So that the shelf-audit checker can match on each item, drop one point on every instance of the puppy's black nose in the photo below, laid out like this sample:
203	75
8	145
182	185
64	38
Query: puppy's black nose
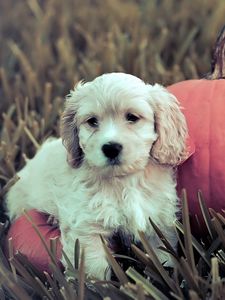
112	150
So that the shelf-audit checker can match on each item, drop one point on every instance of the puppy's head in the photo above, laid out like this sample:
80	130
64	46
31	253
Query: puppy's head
116	123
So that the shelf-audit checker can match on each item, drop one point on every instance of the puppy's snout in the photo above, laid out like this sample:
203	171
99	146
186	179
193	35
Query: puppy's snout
112	150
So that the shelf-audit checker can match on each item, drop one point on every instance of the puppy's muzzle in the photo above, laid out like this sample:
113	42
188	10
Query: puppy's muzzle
112	151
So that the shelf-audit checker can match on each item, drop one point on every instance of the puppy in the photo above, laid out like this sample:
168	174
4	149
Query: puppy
113	167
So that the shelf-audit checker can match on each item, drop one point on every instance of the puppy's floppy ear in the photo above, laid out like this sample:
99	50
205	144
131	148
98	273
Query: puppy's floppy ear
170	146
69	132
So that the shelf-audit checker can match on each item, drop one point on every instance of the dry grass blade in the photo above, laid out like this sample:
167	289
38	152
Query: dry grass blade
14	289
179	294
76	254
147	286
217	284
21	56
219	230
35	8
140	254
23	260
44	290
32	82
140	292
185	269
204	254
206	216
114	264
12	285
125	257
81	277
215	270
3	227
47	101
9	184
153	275
54	287
213	247
10	245
18	132
28	278
221	218
163	239
5	83
150	269
176	297
18	108
221	255
31	137
188	42
69	292
3	261
178	230
70	271
217	216
193	295
53	246
187	232
156	261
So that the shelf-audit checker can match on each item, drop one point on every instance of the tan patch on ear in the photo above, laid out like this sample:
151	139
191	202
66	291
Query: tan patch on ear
69	133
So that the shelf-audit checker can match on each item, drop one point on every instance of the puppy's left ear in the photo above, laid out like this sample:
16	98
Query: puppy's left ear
170	146
69	134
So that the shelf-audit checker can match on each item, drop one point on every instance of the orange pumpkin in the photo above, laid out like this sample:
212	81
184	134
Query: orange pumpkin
203	103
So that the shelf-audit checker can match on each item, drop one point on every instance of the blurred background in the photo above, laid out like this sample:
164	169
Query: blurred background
48	45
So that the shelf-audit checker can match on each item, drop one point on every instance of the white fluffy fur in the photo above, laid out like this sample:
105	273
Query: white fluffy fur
89	196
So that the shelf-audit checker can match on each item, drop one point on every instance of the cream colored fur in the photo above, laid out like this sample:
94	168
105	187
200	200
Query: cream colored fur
91	196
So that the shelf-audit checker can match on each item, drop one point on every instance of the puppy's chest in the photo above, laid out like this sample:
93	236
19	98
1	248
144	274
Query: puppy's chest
128	207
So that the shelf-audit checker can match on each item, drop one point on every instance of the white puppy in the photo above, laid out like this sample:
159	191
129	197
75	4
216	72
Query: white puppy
122	138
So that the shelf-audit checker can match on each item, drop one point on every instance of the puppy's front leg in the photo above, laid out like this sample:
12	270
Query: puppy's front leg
95	260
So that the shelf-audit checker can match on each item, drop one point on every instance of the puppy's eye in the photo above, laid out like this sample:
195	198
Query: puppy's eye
93	122
131	118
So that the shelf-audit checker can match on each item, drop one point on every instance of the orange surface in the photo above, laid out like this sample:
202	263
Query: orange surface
203	103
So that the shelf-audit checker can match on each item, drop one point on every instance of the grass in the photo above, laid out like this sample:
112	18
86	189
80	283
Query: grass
47	46
198	273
